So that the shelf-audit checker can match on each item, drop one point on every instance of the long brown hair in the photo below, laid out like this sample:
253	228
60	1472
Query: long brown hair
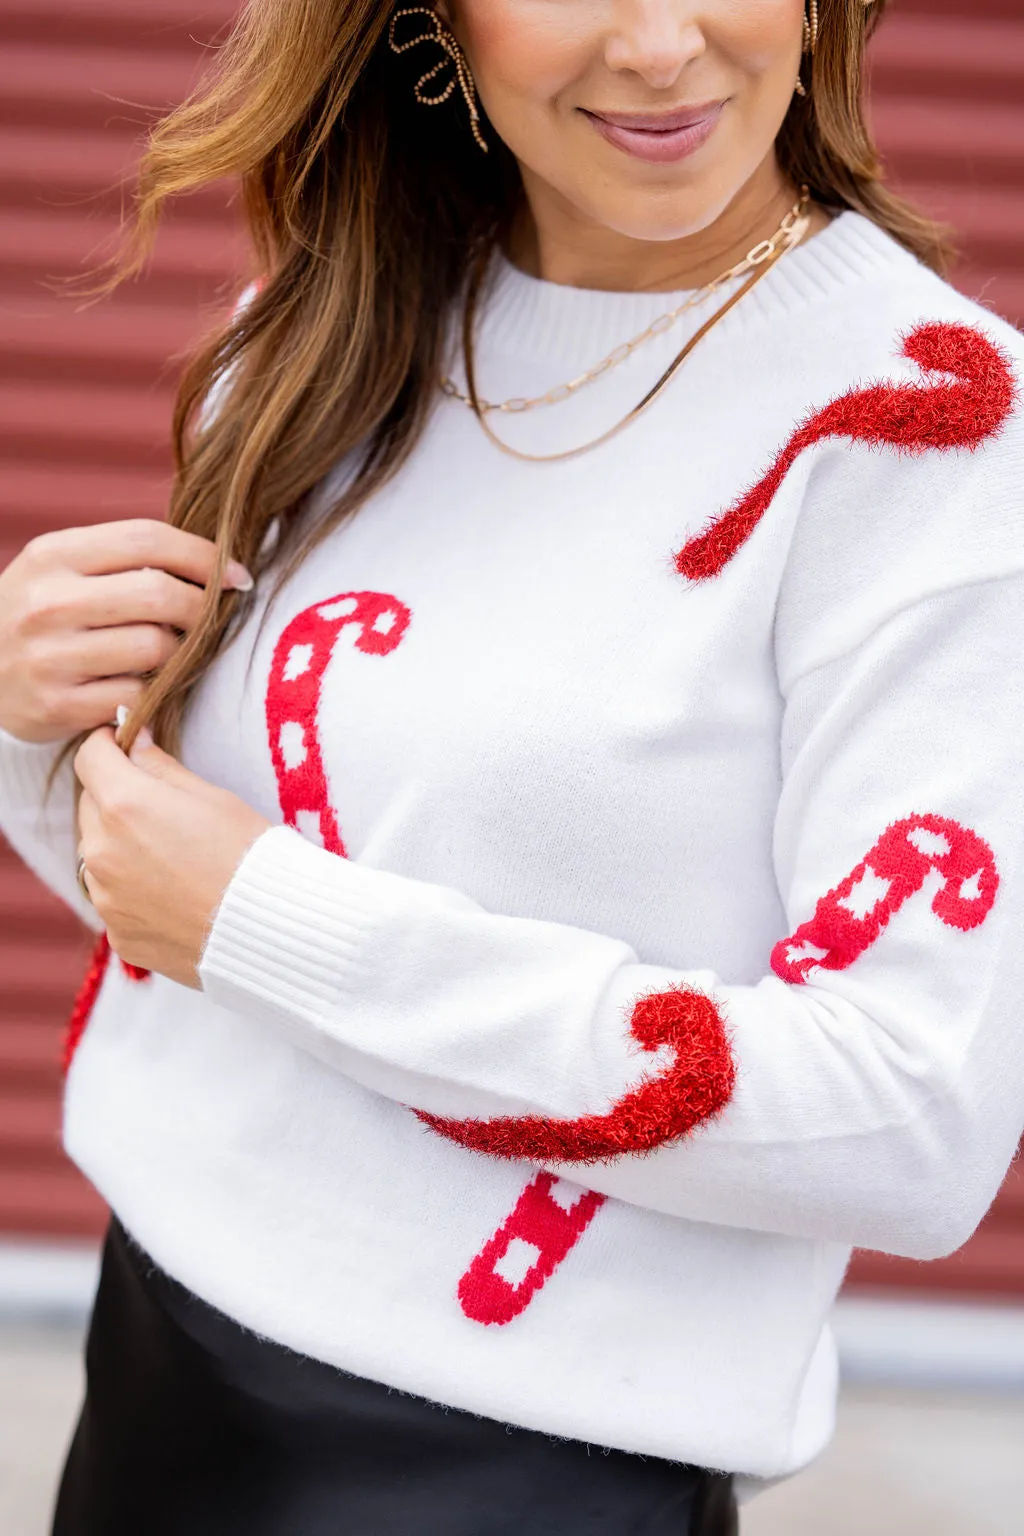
364	213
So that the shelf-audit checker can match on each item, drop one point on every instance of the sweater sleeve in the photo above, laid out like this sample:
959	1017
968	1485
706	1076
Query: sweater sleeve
877	1103
871	1089
40	826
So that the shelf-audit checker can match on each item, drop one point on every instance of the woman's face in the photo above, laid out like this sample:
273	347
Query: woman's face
644	117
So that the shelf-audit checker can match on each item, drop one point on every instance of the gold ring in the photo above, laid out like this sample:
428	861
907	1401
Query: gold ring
80	873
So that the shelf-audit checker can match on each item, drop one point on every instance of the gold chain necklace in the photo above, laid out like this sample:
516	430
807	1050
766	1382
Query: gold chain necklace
758	262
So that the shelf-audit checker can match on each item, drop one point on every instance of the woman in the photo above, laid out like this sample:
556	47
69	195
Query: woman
580	901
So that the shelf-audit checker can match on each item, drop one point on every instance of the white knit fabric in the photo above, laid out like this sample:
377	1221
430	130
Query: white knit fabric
578	780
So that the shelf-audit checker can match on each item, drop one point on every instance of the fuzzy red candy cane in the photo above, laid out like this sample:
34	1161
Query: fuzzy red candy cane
850	918
552	1215
967	401
693	1088
293	699
549	1219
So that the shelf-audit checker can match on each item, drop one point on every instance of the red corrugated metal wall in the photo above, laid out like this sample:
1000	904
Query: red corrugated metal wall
85	397
85	400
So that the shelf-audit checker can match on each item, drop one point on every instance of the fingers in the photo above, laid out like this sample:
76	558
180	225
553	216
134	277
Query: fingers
88	822
145	596
112	779
130	649
95	704
83	609
107	548
102	768
157	764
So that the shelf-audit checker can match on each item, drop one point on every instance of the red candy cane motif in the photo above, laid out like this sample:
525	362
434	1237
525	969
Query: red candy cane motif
694	1088
968	400
550	1217
850	918
297	671
551	1214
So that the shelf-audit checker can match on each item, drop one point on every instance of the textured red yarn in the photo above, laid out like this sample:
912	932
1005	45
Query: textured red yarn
86	1000
87	994
901	859
546	1224
297	671
694	1089
960	411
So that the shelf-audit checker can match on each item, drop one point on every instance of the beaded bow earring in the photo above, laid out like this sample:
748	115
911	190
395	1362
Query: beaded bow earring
810	42
462	77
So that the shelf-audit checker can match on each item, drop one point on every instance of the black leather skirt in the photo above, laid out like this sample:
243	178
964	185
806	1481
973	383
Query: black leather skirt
194	1427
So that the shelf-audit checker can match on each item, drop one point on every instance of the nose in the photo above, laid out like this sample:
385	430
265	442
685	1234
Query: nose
654	39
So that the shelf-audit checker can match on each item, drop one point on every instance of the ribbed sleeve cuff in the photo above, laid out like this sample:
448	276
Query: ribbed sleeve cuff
286	941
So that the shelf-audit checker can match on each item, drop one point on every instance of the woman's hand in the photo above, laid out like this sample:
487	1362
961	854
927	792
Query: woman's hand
86	613
160	846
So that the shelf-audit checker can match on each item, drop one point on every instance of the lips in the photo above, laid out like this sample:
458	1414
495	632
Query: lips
661	137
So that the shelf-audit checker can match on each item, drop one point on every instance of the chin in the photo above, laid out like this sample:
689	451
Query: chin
662	217
661	204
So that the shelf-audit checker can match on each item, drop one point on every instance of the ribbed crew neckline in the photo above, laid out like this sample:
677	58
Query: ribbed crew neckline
529	317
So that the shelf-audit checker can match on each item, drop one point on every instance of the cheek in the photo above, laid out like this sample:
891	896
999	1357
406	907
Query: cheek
762	41
523	55
760	54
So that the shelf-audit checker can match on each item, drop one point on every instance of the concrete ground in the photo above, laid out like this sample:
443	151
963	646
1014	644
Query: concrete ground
907	1463
904	1463
40	1384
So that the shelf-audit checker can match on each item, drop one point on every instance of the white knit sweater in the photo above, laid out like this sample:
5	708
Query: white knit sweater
682	896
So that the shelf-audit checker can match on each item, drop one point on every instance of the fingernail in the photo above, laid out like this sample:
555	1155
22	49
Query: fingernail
121	716
238	577
145	739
